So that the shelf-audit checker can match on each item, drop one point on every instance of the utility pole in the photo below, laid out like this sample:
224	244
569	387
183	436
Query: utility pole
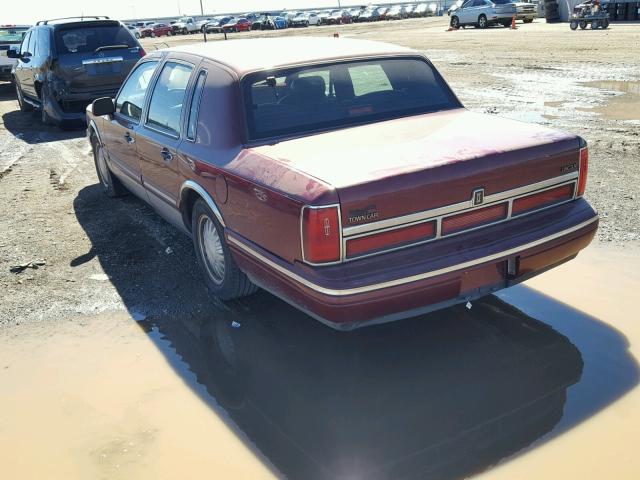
204	27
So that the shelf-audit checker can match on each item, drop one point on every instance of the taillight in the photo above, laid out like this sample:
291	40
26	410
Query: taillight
321	234
542	199
474	218
584	167
390	239
142	52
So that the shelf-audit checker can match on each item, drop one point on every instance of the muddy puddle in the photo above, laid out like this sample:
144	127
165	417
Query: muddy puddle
541	381
622	101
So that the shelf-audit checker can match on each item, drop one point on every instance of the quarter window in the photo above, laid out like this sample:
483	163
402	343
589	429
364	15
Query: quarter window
131	97
168	97
192	125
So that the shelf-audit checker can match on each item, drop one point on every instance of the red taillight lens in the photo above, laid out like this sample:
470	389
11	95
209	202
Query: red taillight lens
542	199
321	234
390	239
475	218
142	52
584	167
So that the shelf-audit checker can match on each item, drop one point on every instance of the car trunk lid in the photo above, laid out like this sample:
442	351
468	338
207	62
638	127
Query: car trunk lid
399	167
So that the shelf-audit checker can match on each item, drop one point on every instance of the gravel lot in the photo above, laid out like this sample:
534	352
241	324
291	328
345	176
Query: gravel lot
104	254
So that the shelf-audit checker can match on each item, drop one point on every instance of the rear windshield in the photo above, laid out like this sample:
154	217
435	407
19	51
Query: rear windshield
12	35
88	39
322	97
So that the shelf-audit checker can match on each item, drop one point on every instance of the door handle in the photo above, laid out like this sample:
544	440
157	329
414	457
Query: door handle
166	154
128	138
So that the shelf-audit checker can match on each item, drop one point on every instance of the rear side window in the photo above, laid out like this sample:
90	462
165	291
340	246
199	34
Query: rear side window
192	125
88	39
168	97
131	97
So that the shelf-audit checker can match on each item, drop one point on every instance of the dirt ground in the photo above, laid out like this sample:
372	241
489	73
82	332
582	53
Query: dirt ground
184	390
586	82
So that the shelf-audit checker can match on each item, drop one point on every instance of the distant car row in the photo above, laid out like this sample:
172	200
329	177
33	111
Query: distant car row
280	20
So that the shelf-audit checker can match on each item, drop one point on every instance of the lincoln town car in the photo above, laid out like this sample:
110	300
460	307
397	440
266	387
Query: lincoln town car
343	176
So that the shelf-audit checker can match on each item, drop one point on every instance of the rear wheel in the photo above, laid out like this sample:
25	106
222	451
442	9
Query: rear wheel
595	24
24	106
583	24
111	186
482	21
44	116
605	23
223	277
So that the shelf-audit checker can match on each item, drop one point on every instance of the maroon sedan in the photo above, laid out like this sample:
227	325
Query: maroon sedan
157	30
237	25
343	176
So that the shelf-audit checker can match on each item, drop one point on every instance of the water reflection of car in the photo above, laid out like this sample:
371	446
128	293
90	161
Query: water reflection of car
444	397
10	37
313	203
483	13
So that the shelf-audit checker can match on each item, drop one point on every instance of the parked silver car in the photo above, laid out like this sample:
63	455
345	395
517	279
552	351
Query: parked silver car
483	13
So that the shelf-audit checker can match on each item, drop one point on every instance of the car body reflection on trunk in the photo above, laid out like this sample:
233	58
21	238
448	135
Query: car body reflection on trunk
437	397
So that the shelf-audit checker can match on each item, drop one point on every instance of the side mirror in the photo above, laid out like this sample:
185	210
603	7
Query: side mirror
103	106
11	53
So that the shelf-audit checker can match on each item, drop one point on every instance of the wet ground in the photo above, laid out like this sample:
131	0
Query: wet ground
541	381
116	363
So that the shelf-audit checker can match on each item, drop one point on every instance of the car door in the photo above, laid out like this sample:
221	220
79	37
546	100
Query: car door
120	132
466	11
23	68
160	137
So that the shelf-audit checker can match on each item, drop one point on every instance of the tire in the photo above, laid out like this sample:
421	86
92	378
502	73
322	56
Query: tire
110	185
153	34
528	20
482	21
185	31
605	23
583	24
595	24
573	25
455	22
24	106
222	276
45	119
506	24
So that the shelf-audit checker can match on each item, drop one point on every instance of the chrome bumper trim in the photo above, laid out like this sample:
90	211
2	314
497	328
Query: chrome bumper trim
413	278
457	207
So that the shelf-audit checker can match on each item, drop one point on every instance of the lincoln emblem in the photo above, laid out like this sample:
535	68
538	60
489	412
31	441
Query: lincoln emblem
327	227
478	196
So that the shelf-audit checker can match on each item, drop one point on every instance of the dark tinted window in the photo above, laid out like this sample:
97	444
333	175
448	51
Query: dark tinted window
195	106
501	2
168	96
131	98
328	96
88	39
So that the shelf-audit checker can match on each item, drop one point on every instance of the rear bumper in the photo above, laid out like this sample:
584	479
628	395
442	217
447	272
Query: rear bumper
426	277
72	107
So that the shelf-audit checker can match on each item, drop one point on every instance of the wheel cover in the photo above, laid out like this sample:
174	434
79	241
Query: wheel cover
102	167
482	21
211	249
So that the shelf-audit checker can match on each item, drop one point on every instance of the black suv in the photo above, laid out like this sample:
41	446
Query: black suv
65	64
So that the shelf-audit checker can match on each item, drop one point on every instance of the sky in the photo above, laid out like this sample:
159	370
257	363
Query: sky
13	13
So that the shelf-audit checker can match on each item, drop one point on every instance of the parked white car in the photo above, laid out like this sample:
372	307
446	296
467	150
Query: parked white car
186	25
483	13
10	38
305	19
